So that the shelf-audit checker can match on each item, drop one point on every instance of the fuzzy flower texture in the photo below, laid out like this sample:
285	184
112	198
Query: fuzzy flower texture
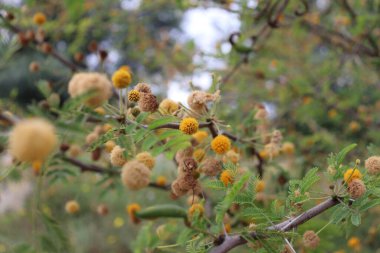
32	139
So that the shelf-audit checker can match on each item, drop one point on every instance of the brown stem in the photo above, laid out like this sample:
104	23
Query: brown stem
231	242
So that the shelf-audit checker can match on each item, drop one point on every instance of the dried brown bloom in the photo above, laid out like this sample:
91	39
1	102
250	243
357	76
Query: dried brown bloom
186	153
197	100
148	102
356	188
143	87
310	239
211	167
372	164
117	156
135	175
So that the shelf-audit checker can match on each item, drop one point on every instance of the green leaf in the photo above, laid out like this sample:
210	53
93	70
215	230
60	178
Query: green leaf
309	179
369	205
356	219
214	184
342	154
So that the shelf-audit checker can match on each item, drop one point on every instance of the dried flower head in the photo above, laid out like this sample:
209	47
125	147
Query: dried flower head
168	106
148	102
133	96
261	114
82	83
231	156
74	150
143	87
226	177
372	164
121	79
352	174
189	125
39	18
182	154
34	67
135	175
147	159
197	100
221	144
356	188
131	210
310	239
211	167
192	199
91	138
102	210
200	136
72	207
117	156
32	139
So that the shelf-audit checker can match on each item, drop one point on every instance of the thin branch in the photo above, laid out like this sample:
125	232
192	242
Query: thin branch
231	242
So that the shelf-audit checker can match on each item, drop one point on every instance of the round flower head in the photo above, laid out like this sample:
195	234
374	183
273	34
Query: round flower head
125	68
74	150
109	145
100	110
189	125
39	18
352	174
131	210
231	156
197	100
354	243
32	139
133	96
221	144
121	79
199	154
91	138
200	136
287	148
147	159
196	209
117	156
260	186
168	106
148	102
102	210
310	239
72	207
182	154
226	177
372	164
161	181
143	87
97	84
356	188
211	167
135	175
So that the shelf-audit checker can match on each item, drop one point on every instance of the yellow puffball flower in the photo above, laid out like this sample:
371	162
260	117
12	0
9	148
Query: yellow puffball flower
131	210
161	181
121	79
354	126
189	125
220	144
133	96
32	139
72	207
226	177
352	174
118	222
354	243
125	68
200	136
260	186
39	18
107	127
288	148
196	208
199	154
100	110
109	145
264	154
